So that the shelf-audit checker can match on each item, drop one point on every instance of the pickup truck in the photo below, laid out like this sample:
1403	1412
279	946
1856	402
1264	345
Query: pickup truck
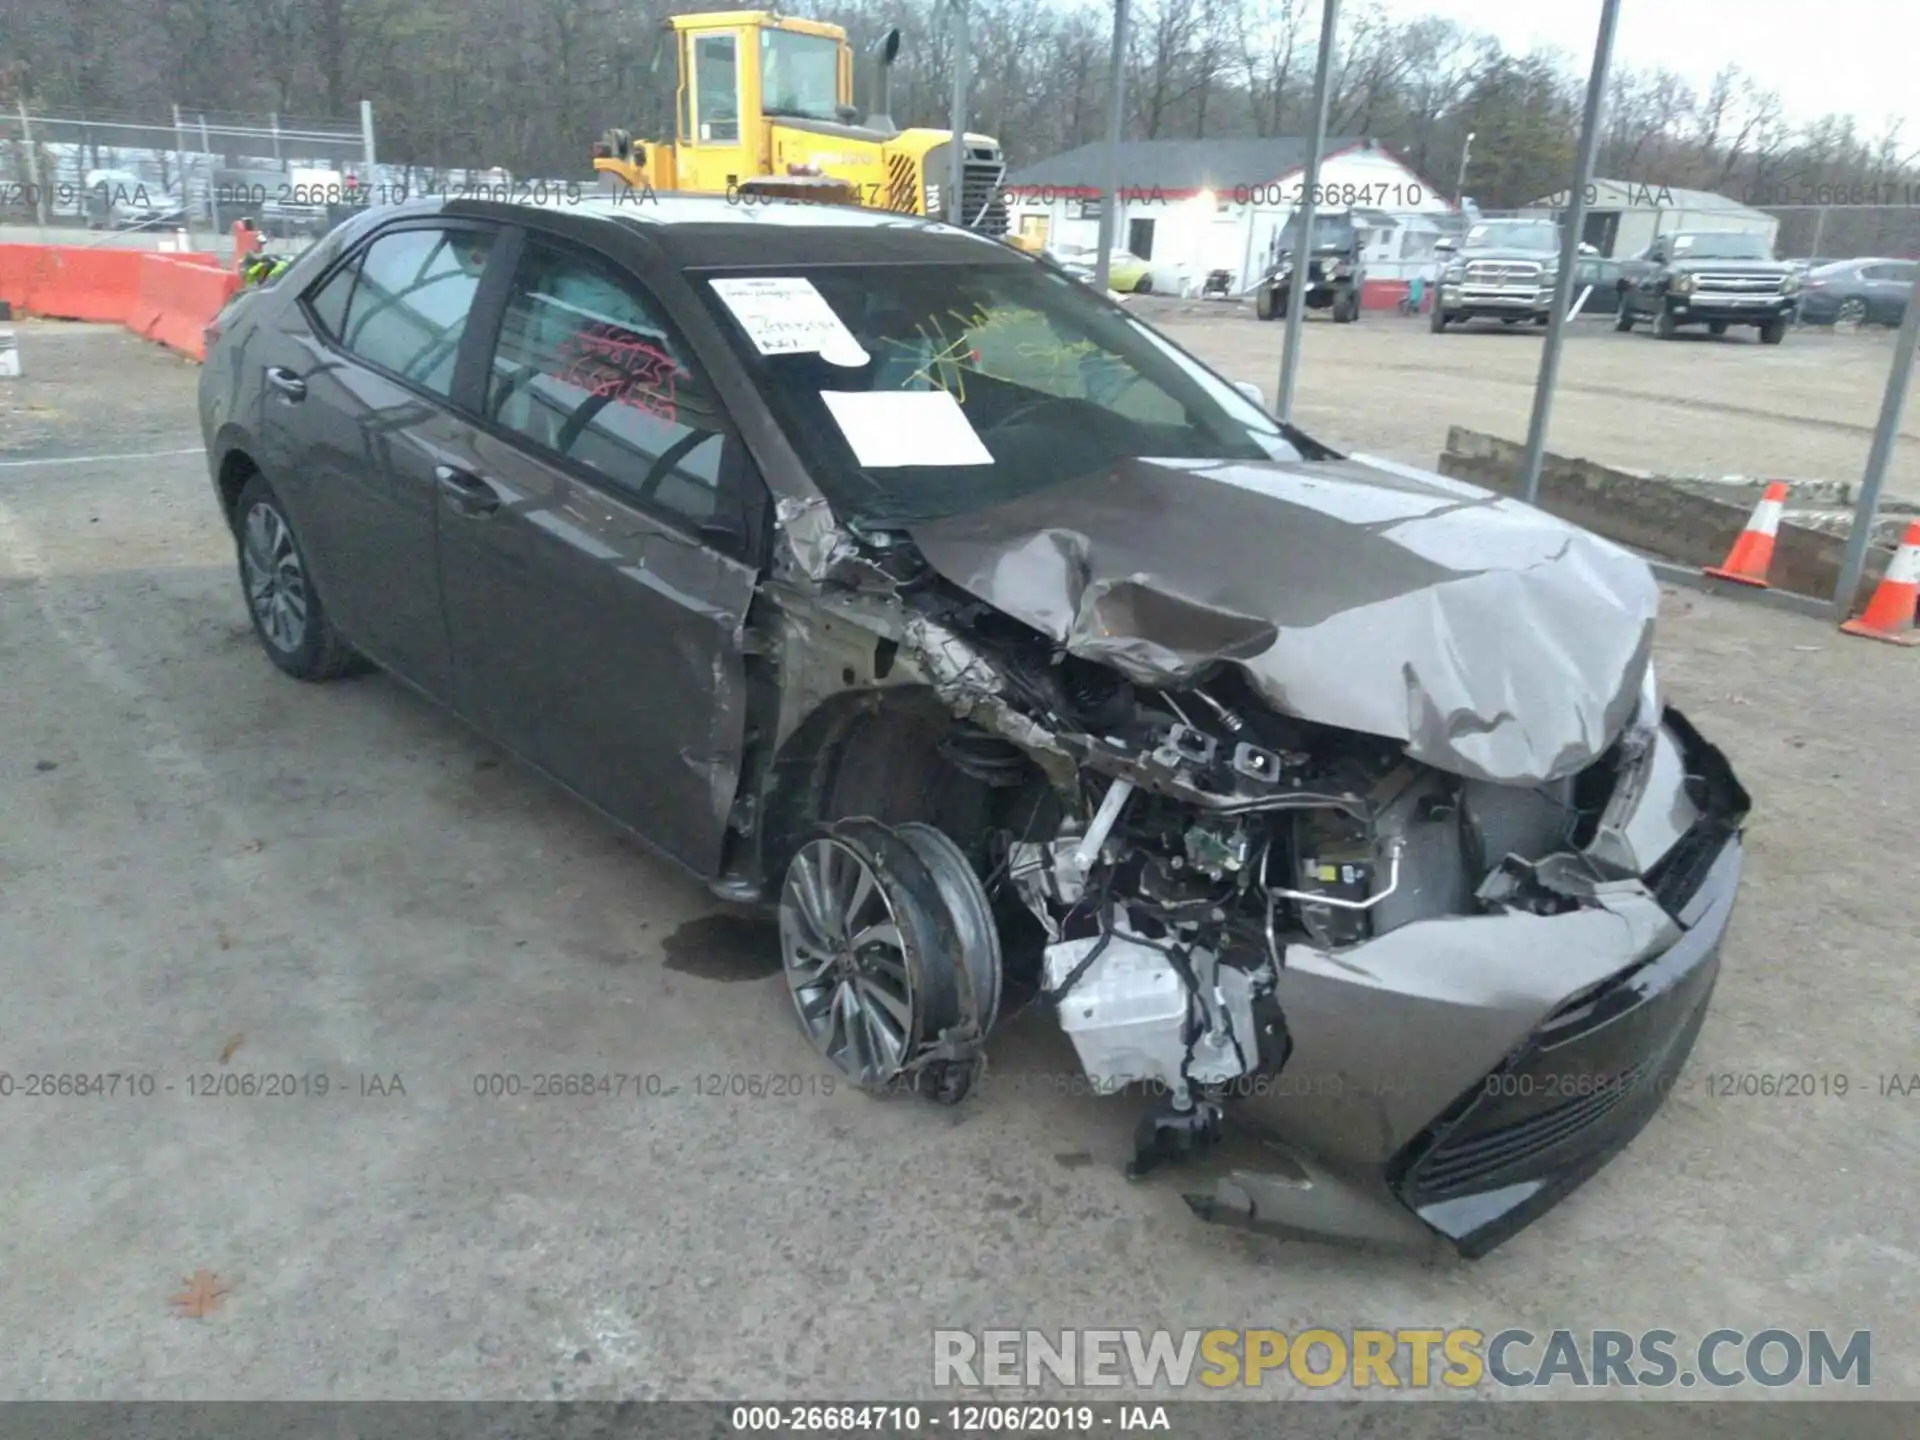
1711	278
1503	270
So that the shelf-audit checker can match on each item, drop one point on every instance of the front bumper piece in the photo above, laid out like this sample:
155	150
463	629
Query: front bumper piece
1334	1163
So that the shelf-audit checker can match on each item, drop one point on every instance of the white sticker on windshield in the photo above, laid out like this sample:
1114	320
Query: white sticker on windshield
785	315
889	429
1683	242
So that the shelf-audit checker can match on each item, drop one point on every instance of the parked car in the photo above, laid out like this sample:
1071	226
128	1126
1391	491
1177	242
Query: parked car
1857	292
1598	278
1711	278
122	200
1126	272
1502	270
891	579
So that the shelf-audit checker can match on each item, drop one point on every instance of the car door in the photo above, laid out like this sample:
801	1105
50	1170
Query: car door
598	551
1887	286
357	422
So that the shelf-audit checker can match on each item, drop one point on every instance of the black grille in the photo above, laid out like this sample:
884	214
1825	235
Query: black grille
1462	1166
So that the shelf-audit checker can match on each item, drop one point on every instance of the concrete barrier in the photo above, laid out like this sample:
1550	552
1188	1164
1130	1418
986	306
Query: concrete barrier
1677	521
169	298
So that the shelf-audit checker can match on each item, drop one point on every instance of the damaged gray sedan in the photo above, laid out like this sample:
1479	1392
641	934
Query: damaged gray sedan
885	577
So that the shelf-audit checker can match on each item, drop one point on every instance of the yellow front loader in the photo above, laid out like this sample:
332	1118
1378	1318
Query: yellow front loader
763	107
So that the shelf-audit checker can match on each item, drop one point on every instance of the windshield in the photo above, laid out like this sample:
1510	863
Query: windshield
958	387
1514	235
800	75
1731	245
1330	232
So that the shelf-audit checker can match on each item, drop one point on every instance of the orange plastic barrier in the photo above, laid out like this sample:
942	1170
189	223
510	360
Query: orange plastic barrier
178	296
69	282
159	295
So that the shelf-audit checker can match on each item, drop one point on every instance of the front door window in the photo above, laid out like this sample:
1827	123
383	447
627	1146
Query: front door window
716	84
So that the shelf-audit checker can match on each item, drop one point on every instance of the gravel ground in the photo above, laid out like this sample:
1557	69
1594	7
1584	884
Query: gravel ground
1696	405
208	870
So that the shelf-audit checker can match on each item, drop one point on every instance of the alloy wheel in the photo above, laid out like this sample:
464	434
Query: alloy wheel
276	583
846	962
1853	311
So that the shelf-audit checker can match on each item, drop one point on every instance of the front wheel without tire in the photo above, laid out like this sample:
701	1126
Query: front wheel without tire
287	613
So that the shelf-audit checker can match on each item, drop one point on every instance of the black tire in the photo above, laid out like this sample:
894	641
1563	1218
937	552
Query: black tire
1145	285
267	546
1346	308
1263	306
1852	311
1773	332
1716	327
1623	319
1437	321
1664	326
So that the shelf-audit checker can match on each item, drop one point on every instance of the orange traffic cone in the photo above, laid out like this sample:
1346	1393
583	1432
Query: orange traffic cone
1751	554
1889	614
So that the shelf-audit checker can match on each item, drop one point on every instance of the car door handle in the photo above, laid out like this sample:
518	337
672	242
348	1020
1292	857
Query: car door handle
470	494
289	384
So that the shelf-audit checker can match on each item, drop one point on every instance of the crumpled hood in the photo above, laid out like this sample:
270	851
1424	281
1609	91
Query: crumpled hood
1498	642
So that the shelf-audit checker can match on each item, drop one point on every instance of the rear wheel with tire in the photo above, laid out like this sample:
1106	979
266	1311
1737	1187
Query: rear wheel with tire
1623	318
1773	332
1664	326
287	612
1263	303
1346	308
1144	286
1852	311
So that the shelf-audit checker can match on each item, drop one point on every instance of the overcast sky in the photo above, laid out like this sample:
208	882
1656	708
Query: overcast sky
1843	56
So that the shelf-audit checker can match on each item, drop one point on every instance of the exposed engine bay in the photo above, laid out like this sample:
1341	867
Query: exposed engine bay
1171	843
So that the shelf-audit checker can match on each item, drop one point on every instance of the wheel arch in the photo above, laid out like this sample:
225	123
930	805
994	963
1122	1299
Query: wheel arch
873	752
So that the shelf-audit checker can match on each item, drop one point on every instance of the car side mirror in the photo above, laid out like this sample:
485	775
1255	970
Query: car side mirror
1253	392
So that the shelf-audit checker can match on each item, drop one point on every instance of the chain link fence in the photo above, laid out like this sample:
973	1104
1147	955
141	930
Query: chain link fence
178	179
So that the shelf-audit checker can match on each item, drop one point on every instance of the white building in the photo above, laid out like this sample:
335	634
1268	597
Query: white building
1624	216
1191	206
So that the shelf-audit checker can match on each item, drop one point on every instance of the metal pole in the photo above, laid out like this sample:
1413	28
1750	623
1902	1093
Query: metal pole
1116	124
957	126
1304	211
180	163
213	198
1892	405
274	121
366	135
1575	221
1460	185
33	169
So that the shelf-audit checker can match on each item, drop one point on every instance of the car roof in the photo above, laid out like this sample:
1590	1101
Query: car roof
711	231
